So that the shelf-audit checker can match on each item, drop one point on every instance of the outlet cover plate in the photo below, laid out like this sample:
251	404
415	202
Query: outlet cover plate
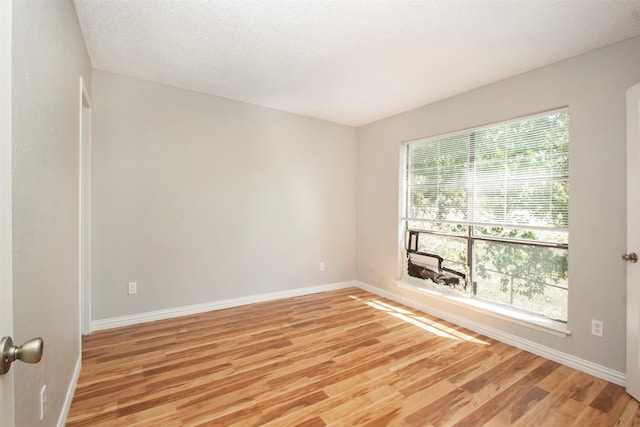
597	327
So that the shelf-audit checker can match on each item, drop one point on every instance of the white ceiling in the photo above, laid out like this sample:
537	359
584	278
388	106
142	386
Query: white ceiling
347	61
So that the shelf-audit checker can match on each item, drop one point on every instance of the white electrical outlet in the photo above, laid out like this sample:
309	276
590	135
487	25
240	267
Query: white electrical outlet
322	266
597	327
133	288
43	401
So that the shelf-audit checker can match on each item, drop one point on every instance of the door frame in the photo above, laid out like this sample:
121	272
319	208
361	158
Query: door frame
84	206
633	241
7	405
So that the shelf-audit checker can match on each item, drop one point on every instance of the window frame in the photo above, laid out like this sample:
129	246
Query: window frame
504	311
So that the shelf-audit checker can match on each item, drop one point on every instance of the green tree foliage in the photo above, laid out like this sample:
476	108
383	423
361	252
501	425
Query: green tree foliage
525	269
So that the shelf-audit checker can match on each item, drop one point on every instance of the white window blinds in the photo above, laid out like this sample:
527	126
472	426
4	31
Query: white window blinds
510	174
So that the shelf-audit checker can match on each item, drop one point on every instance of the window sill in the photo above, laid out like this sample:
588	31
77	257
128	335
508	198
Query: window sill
537	323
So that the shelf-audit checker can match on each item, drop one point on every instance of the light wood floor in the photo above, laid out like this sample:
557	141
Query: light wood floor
340	358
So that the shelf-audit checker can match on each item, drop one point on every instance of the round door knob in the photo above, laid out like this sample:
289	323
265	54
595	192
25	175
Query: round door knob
631	257
29	352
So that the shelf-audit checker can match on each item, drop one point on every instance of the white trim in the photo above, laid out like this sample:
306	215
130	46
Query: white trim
7	401
531	321
84	94
62	419
84	208
572	361
133	319
402	208
633	242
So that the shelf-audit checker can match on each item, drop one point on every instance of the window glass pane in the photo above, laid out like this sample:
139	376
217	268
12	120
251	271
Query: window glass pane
531	278
437	176
521	172
536	202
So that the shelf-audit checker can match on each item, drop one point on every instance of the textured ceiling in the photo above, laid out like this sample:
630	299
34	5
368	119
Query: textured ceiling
347	61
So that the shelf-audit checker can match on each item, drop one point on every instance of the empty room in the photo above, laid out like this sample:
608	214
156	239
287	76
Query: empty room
319	213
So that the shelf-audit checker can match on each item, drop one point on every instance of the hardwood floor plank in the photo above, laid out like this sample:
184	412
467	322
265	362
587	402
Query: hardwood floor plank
340	358
630	416
429	370
608	398
520	407
508	396
398	410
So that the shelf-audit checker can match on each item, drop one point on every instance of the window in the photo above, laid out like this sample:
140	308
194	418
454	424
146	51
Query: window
486	214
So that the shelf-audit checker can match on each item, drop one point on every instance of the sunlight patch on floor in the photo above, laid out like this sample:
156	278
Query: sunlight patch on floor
431	322
422	322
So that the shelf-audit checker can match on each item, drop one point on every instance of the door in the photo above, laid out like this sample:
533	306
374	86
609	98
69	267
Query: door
633	241
6	285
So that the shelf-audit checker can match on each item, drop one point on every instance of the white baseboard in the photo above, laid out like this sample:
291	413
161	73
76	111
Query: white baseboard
583	365
572	361
133	319
62	419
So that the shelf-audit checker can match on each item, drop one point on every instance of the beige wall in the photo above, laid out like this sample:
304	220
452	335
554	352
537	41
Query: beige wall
49	57
200	199
593	86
